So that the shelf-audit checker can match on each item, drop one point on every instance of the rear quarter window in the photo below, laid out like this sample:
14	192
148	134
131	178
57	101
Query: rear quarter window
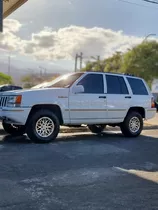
137	85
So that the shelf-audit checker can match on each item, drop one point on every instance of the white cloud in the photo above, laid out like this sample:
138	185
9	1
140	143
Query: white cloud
64	43
11	25
8	40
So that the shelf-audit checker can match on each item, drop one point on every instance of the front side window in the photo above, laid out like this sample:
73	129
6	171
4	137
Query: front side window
116	85
93	84
137	86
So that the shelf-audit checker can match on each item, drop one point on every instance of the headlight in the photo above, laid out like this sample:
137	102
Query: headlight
14	101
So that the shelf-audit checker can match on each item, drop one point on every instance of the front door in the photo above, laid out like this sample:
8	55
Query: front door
90	106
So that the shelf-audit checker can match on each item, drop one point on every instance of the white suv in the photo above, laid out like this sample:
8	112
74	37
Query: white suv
93	98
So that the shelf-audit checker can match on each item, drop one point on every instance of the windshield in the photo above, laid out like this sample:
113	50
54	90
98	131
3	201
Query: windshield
40	85
64	81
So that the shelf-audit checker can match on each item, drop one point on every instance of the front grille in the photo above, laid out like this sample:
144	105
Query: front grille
3	101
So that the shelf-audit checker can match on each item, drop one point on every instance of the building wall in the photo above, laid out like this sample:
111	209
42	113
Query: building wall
1	15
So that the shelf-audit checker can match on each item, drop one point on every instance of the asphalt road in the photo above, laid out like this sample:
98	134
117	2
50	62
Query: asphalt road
80	171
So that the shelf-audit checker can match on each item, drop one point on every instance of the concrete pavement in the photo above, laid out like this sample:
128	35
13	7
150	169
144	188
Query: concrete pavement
80	171
153	121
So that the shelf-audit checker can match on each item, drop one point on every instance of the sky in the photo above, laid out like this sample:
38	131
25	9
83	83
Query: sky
49	33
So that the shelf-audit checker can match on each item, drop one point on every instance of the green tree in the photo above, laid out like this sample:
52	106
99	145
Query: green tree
114	63
142	61
5	79
35	79
95	66
29	81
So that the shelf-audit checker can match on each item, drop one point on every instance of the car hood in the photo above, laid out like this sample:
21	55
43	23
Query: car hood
35	91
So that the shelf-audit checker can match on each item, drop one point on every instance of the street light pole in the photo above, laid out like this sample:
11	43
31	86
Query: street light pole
148	36
97	59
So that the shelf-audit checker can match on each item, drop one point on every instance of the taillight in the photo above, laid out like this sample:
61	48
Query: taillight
153	103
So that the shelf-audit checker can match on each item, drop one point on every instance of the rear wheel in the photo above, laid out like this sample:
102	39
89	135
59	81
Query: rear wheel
43	127
132	125
96	128
13	129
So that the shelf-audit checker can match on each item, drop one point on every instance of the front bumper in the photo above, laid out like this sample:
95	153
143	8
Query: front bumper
7	120
16	116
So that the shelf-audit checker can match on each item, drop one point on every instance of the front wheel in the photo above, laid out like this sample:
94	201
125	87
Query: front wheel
132	125
43	127
96	128
13	129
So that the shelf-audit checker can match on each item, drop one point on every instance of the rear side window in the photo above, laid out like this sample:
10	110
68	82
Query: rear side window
116	85
137	86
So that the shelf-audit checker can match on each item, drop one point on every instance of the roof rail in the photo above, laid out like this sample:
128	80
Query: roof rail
129	74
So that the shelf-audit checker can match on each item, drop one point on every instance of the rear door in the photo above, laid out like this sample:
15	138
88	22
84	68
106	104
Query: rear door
118	97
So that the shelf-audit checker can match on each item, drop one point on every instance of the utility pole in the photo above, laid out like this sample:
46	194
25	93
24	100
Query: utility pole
9	65
98	58
32	76
40	73
81	60
44	70
76	60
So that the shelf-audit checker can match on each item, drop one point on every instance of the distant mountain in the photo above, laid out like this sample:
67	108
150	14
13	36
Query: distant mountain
17	73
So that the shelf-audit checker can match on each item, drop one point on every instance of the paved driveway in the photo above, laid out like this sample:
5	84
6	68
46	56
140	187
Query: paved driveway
153	121
80	171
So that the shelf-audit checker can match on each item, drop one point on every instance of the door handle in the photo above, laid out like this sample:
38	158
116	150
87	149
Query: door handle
128	97
102	97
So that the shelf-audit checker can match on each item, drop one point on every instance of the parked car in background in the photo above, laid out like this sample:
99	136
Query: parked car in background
156	105
8	87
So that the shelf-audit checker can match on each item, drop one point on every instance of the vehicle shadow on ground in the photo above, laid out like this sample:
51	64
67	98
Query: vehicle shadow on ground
106	137
8	139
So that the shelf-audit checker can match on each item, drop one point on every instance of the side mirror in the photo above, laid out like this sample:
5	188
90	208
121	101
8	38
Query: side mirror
78	89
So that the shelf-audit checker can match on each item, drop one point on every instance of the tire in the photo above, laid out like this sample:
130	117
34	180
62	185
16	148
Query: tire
134	130
45	134
13	129
96	128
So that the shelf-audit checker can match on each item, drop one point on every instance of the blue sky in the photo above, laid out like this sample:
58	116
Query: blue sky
132	19
65	18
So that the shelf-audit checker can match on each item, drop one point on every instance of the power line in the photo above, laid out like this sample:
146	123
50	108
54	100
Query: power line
140	5
129	2
151	1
